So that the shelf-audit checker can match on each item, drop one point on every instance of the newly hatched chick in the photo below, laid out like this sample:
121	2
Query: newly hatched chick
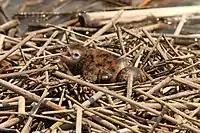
98	66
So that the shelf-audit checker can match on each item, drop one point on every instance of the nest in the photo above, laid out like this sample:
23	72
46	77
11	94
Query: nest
39	94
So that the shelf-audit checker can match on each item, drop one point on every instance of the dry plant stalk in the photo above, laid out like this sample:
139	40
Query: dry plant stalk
39	93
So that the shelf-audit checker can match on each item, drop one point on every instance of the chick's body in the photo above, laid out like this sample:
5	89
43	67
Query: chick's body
101	66
94	65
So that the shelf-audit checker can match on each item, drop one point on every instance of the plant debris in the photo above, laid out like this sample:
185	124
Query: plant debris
40	93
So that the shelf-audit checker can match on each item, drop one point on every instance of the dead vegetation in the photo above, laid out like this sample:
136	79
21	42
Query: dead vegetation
39	94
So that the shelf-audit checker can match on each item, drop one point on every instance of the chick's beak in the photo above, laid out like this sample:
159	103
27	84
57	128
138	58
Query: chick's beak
66	56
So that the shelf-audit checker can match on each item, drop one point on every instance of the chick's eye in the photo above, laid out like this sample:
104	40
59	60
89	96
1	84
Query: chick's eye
76	55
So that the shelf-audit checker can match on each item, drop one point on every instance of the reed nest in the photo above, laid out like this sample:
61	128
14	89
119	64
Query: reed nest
37	93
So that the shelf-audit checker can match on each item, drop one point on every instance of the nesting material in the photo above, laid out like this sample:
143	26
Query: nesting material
166	99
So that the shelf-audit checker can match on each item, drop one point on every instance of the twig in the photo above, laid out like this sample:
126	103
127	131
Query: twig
187	82
101	18
132	50
169	106
9	122
103	29
150	52
180	95
158	119
10	24
26	72
160	85
47	43
79	115
104	116
28	95
134	103
119	34
38	116
53	28
17	46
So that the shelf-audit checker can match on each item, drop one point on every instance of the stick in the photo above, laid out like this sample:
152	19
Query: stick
47	43
79	115
105	28
94	19
17	46
21	73
9	25
28	94
132	102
